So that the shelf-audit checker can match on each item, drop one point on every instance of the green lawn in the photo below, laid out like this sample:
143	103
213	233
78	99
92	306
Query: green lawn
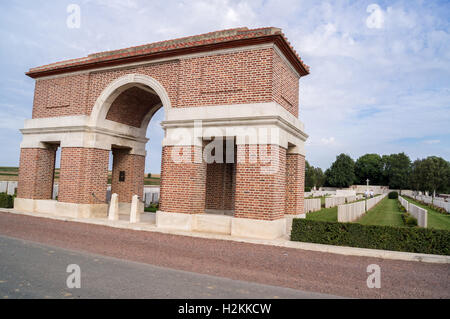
385	213
325	215
435	219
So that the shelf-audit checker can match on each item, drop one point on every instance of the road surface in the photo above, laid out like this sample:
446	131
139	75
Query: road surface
300	270
31	270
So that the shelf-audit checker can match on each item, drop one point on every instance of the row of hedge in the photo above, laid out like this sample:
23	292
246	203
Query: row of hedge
6	201
417	240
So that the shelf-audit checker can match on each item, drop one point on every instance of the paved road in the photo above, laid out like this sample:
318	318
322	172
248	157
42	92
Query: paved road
31	270
275	266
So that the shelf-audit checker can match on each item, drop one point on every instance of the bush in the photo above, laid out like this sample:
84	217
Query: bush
401	208
152	208
307	189
414	239
6	201
408	219
393	195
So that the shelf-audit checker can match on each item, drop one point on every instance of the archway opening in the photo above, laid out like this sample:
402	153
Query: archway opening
134	107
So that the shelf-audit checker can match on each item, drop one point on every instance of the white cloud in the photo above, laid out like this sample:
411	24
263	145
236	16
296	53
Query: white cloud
327	141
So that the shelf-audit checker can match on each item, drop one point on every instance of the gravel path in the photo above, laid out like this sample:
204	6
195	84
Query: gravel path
286	267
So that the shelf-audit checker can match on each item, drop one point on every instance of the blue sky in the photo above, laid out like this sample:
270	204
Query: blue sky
380	70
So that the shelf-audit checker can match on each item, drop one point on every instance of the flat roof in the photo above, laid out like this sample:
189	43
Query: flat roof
198	43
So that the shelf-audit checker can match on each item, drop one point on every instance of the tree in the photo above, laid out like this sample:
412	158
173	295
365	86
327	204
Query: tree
396	170
430	174
369	166
319	177
309	175
313	176
342	172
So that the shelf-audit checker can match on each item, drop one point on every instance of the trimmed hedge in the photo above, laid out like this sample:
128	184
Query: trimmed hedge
409	239
6	201
393	195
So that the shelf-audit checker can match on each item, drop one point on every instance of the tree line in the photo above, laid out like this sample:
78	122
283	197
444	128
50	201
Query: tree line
396	171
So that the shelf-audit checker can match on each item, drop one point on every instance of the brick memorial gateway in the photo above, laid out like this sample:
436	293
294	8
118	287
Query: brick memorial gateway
233	150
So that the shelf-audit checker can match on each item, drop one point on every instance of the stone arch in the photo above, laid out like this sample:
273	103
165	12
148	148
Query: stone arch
119	85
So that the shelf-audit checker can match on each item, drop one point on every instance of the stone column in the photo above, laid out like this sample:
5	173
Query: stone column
131	182
183	180
36	172
295	184
260	182
83	175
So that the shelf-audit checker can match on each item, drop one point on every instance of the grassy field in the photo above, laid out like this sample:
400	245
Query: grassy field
386	213
435	219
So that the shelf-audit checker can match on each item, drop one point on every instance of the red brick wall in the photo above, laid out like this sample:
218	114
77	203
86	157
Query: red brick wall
83	171
259	195
182	184
220	186
131	106
36	173
295	183
234	78
133	166
60	96
285	85
229	186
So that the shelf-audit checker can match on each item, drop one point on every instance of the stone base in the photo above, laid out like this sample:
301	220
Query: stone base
125	208
256	228
222	224
228	212
53	207
289	219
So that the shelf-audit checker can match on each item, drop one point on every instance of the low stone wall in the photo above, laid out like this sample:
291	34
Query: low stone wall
375	188
440	202
320	193
403	202
345	192
417	212
425	199
334	201
351	212
312	205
